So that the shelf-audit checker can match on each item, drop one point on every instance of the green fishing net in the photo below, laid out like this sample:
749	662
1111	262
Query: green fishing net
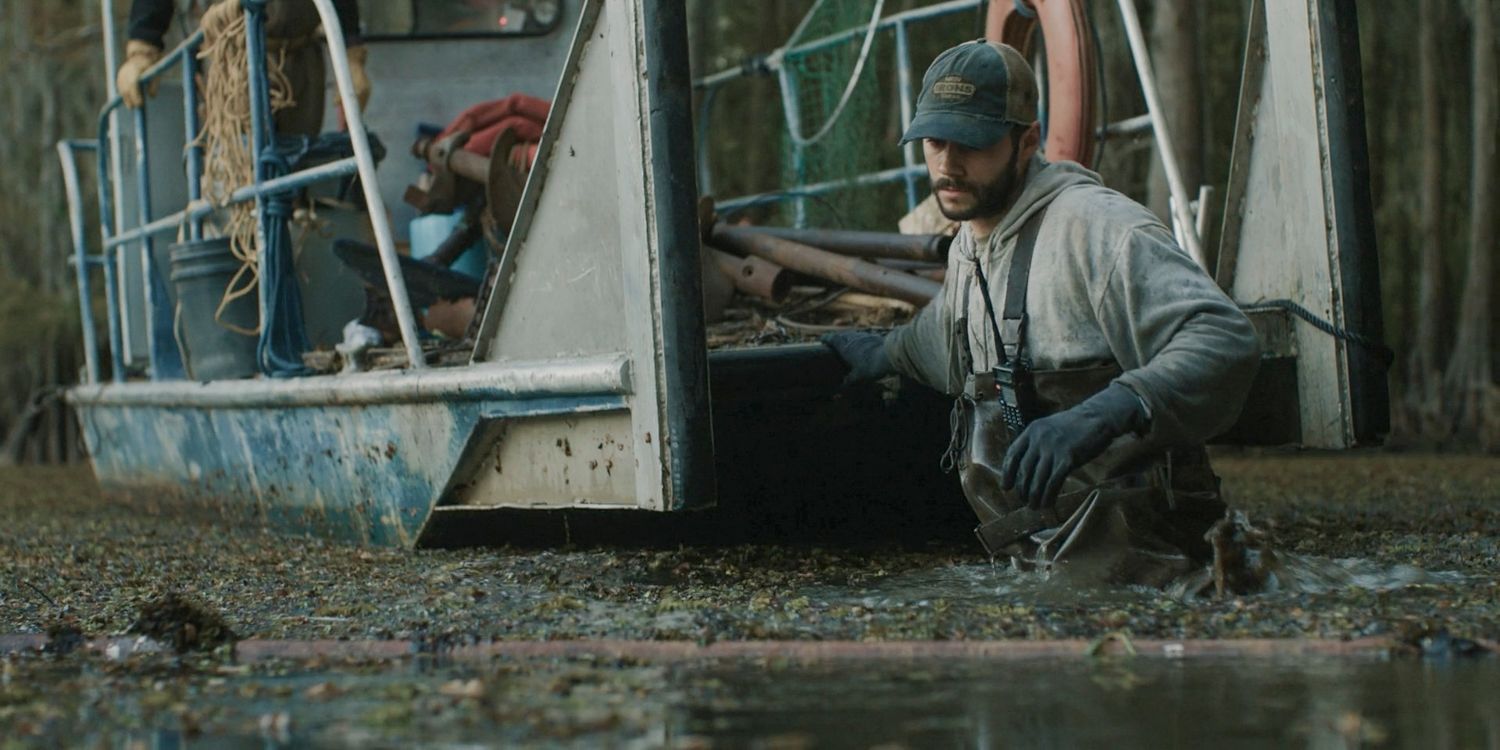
835	132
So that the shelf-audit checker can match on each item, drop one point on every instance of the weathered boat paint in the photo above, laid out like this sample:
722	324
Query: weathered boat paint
367	474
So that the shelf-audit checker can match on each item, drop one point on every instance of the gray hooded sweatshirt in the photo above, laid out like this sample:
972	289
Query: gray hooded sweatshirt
1108	285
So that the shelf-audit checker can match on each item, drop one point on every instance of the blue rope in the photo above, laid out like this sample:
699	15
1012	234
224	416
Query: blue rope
1383	354
283	333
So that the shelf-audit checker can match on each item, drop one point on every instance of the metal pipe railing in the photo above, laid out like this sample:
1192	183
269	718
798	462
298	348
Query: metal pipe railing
775	60
156	368
894	174
110	171
384	242
1180	202
911	173
1153	122
362	163
111	143
261	137
908	104
111	268
199	209
66	153
191	125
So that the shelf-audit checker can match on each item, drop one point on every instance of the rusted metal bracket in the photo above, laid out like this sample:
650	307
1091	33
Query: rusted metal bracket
438	190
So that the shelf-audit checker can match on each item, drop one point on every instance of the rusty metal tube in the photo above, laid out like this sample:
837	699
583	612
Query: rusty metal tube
754	275
851	272
466	164
932	248
256	649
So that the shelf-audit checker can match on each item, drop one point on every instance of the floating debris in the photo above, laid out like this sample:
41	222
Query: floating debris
182	622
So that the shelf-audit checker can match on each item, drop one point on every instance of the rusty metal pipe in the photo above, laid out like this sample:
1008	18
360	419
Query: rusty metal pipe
451	156
908	265
256	650
935	271
851	272
932	248
754	275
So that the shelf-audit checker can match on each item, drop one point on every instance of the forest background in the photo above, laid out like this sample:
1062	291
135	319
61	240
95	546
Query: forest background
1430	83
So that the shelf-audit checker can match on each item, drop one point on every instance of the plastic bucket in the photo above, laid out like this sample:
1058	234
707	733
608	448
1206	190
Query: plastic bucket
201	271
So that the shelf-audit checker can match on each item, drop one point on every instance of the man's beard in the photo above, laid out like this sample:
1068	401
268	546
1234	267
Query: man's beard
989	199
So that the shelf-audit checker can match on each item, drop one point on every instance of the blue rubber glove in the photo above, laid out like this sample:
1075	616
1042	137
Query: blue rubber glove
1049	449
863	351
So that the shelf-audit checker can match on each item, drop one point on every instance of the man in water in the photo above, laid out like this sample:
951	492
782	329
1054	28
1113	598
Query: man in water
1090	356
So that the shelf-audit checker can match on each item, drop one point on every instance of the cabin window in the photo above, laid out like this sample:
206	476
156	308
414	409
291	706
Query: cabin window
388	19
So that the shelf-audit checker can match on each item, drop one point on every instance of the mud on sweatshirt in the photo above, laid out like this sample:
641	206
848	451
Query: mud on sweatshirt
1108	285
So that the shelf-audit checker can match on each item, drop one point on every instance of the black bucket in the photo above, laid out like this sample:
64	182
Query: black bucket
211	350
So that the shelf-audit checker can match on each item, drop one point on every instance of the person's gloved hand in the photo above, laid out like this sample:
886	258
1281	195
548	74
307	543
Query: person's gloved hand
863	351
139	57
1049	449
357	57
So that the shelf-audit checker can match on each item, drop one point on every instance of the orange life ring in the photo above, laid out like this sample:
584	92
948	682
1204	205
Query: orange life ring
1072	68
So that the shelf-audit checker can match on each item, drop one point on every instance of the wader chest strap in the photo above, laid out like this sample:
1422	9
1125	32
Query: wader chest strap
1010	331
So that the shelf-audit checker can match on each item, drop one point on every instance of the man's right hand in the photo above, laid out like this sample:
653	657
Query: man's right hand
863	351
139	57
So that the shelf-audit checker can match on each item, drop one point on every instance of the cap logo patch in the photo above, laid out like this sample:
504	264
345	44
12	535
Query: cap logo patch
953	89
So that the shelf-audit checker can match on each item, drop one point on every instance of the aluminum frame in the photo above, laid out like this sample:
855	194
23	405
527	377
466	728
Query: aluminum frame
114	240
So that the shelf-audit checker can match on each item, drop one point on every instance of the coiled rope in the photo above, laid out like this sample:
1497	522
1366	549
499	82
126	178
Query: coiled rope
228	164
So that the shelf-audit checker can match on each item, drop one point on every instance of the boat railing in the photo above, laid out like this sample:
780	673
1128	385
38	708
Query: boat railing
116	241
912	171
1188	215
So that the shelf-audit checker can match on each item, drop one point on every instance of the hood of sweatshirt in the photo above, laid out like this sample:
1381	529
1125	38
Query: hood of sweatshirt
1044	180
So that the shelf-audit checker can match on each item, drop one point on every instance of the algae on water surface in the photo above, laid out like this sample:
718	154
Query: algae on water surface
66	554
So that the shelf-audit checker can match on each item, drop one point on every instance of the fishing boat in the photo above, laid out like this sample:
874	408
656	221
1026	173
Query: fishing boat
588	383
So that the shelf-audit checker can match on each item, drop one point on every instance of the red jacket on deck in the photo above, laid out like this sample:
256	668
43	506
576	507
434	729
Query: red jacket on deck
521	114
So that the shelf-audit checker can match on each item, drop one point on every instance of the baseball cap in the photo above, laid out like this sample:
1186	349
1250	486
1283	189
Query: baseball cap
972	95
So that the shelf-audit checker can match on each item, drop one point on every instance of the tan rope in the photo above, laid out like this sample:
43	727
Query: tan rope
228	163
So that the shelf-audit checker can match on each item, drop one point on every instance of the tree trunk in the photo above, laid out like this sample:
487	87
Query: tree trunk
1422	404
1472	397
1175	61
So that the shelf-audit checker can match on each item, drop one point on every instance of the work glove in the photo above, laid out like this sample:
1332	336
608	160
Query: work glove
139	57
863	351
1049	449
357	72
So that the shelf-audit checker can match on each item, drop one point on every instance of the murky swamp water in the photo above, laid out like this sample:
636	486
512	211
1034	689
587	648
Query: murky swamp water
1396	546
1122	703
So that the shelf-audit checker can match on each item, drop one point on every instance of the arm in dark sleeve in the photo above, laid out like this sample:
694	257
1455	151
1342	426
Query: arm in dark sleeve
150	19
921	349
1190	354
348	12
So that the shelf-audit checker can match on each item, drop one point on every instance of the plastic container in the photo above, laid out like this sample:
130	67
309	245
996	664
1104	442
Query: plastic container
201	271
427	235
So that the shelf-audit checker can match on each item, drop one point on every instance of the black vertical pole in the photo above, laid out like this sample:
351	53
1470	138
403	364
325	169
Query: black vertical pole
685	396
1359	261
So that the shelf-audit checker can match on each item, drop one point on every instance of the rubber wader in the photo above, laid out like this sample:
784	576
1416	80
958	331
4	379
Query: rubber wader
1135	515
292	33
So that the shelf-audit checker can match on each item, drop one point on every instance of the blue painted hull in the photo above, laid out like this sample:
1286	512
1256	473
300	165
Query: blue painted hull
365	474
367	467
